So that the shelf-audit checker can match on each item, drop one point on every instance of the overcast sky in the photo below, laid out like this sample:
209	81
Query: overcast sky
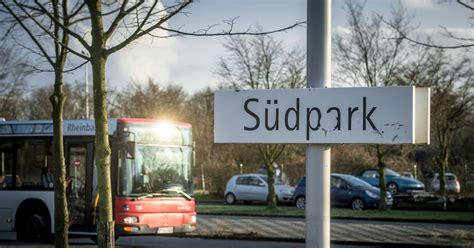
190	61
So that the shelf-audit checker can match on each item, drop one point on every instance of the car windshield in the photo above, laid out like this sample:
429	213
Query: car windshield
277	182
450	177
389	172
354	181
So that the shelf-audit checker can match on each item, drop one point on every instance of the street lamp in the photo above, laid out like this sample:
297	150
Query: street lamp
414	168
241	165
465	175
87	87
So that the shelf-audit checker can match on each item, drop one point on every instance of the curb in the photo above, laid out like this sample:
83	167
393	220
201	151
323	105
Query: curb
337	242
346	218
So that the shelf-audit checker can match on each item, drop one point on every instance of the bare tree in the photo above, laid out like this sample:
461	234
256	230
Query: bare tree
75	106
39	107
13	74
113	26
456	41
370	54
216	162
452	98
44	34
201	112
152	101
262	63
37	104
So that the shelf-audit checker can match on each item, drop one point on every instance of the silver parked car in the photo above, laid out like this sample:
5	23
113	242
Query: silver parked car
254	188
451	183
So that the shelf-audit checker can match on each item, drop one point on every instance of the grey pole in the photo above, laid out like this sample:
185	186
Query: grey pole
318	157
87	93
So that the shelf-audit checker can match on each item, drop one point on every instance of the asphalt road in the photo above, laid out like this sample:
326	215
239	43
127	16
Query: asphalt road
349	221
171	242
342	230
366	232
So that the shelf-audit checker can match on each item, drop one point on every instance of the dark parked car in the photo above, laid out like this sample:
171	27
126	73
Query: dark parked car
346	191
395	182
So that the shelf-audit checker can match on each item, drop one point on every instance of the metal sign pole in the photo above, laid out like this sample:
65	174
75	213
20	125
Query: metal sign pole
318	157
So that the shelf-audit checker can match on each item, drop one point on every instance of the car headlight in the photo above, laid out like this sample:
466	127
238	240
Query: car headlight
417	185
371	194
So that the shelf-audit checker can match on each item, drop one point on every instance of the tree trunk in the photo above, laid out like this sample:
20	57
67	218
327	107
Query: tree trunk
105	227
60	200
443	163
270	154
383	188
102	152
442	183
272	203
444	134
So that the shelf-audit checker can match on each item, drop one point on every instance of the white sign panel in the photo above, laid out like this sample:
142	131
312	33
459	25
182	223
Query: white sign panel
85	127
375	115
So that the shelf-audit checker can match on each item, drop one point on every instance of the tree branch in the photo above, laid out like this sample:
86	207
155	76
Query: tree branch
30	34
66	29
88	17
230	33
77	67
465	5
404	36
121	15
48	32
137	34
74	13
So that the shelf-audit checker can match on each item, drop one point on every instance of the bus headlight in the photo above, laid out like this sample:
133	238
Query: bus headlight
130	220
193	219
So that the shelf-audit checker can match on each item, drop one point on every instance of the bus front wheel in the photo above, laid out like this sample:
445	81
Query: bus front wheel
34	225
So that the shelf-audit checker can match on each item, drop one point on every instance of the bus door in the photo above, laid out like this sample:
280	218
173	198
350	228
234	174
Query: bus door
80	184
6	167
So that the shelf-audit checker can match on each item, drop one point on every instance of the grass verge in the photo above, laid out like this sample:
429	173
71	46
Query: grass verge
398	215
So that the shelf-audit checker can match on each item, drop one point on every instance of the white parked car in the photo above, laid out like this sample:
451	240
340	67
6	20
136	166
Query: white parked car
254	188
451	183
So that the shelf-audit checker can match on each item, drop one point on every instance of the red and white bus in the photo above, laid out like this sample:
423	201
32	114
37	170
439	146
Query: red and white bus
151	177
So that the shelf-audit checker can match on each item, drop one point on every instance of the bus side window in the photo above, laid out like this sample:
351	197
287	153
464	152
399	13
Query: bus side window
32	158
6	163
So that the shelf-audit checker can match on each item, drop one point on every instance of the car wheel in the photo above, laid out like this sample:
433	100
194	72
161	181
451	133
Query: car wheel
392	188
300	202
357	204
230	199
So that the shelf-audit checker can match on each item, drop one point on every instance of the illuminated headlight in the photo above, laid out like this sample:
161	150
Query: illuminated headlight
193	219
130	220
371	194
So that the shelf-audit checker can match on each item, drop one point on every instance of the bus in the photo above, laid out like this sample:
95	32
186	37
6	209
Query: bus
151	166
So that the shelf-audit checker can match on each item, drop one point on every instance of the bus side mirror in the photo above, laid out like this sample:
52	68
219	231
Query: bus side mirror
130	149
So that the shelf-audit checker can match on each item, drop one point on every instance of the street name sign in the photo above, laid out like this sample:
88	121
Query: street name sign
363	115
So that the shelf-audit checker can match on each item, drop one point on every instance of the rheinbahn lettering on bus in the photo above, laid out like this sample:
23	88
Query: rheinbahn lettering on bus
151	177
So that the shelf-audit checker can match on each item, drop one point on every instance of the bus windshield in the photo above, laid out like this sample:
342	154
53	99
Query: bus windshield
156	169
